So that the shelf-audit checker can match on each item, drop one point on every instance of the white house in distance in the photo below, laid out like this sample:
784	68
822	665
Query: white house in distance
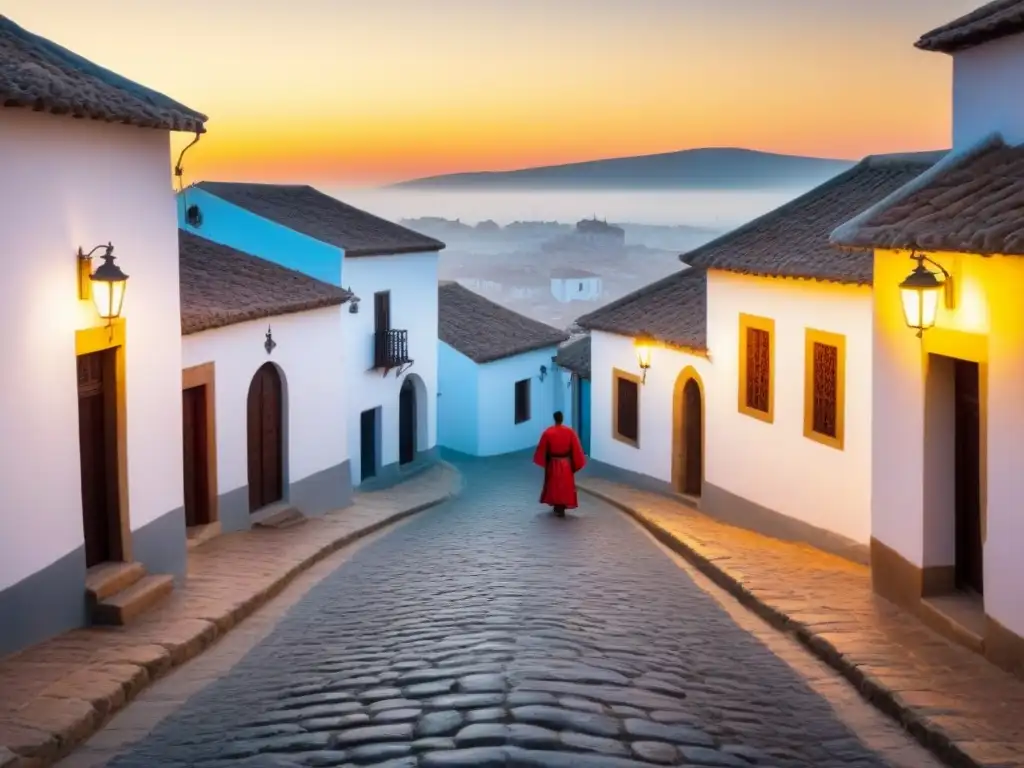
496	374
761	352
947	488
390	347
91	411
263	410
572	284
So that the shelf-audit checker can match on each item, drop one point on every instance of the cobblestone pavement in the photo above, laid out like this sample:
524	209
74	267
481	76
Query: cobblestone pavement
962	706
486	632
56	694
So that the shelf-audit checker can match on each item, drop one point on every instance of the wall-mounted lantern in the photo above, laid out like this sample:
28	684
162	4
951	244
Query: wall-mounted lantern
105	286
353	305
919	294
543	372
268	341
194	216
644	343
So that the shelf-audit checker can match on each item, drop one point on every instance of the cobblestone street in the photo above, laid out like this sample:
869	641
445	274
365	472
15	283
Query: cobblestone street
486	632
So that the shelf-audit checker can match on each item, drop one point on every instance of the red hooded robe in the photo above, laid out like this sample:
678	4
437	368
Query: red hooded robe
560	453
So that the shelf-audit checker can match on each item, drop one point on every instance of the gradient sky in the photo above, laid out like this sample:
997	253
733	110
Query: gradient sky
370	91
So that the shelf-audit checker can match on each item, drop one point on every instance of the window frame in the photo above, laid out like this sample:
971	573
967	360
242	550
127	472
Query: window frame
767	325
814	336
617	376
528	402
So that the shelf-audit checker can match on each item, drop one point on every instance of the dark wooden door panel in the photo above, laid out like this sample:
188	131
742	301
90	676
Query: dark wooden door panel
367	444
969	545
254	433
693	437
406	423
97	440
194	426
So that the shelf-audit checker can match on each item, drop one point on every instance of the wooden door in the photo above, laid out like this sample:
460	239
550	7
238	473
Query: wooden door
196	458
693	438
368	444
97	440
266	451
406	423
969	547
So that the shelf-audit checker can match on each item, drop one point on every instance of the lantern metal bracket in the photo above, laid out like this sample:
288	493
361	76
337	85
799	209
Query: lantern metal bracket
85	270
268	341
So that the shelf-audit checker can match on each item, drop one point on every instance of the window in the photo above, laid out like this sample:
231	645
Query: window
522	401
824	387
757	360
626	402
382	311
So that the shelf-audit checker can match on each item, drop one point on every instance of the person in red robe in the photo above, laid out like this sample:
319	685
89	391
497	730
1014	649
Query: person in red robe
560	453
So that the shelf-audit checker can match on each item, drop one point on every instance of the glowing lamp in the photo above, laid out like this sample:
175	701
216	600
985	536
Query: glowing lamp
106	286
919	294
644	344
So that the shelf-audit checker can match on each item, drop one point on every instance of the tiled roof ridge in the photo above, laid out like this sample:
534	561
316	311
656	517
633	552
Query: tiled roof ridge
845	235
870	161
991	21
645	290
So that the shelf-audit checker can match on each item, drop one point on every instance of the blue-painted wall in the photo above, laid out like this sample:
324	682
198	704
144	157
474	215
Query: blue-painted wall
476	409
458	401
230	225
583	418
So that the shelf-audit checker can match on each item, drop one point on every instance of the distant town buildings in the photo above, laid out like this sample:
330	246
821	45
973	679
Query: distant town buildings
572	284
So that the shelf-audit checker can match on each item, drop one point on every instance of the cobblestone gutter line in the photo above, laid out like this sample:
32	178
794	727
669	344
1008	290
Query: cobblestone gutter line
956	704
55	695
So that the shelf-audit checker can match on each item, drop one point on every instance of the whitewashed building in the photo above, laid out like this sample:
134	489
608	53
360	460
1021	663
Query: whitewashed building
761	353
572	284
390	341
91	411
264	424
496	375
947	433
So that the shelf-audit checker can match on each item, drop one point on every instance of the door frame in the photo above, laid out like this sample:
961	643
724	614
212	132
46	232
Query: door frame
100	339
679	429
204	375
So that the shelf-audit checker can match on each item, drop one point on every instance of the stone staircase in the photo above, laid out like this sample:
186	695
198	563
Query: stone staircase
119	592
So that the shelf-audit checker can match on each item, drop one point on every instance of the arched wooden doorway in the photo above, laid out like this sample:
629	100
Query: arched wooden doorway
265	438
407	422
688	434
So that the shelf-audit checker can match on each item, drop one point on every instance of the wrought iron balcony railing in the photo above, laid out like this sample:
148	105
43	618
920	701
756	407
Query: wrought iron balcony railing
390	349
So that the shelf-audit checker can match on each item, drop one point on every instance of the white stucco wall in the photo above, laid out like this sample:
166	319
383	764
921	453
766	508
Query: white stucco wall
69	183
983	78
653	457
497	431
988	308
412	280
774	465
310	358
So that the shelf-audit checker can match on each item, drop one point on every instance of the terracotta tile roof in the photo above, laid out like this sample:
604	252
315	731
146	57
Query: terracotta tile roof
575	356
221	286
972	202
484	331
38	74
793	240
673	310
323	217
991	21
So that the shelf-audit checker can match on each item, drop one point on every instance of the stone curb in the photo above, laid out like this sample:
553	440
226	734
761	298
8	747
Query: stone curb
880	696
43	747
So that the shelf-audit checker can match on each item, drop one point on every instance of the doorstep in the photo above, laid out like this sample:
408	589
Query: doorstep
55	695
957	704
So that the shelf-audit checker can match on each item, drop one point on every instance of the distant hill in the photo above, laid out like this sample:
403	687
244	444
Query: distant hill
711	168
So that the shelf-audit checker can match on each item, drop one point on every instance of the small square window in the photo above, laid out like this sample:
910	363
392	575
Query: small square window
626	395
522	401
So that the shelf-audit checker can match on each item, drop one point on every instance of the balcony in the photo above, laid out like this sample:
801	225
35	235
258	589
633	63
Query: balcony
390	350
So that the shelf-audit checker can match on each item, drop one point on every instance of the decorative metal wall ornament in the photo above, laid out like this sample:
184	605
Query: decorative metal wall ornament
543	372
269	344
194	216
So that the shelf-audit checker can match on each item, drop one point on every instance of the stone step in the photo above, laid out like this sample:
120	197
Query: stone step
277	518
136	599
106	579
200	534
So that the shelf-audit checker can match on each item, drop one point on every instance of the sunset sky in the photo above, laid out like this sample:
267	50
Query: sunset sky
365	92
